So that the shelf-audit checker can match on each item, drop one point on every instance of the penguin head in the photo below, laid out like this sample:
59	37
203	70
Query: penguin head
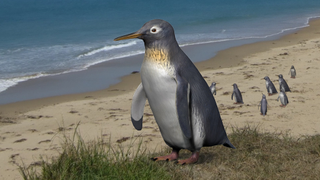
213	84
154	31
234	85
263	96
266	78
280	76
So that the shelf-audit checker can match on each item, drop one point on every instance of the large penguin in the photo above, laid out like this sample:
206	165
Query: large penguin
179	97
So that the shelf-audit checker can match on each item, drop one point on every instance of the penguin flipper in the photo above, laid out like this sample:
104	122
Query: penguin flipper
182	104
238	96
232	95
274	90
137	107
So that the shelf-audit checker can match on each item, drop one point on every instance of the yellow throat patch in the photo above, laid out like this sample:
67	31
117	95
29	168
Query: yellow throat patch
159	56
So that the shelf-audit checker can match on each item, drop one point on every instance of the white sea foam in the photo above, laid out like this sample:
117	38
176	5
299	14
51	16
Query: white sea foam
306	24
6	83
9	82
123	55
107	48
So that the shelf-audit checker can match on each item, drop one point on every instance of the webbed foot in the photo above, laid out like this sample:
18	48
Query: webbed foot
193	159
173	156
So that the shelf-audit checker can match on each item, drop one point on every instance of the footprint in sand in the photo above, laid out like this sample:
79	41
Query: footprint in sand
73	112
20	140
44	141
5	149
37	163
32	130
226	93
123	139
50	132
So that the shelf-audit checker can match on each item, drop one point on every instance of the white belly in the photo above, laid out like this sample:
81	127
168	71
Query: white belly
282	100
268	87
160	87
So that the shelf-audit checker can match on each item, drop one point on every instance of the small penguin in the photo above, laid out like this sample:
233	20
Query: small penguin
283	84
237	94
283	99
270	87
293	72
263	105
213	88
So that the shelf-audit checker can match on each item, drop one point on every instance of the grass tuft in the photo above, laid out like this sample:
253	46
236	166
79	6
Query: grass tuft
96	160
258	156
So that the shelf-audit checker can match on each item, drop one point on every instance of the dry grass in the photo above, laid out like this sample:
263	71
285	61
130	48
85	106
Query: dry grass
258	156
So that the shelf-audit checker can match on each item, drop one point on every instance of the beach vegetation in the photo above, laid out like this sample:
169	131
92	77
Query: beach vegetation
259	155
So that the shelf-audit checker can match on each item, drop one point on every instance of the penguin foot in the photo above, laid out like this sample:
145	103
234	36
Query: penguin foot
193	159
173	156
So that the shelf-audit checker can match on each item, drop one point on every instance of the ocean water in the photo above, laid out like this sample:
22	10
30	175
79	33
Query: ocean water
48	38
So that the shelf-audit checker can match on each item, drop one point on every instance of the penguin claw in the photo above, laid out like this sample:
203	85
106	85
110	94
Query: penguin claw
167	158
178	162
193	159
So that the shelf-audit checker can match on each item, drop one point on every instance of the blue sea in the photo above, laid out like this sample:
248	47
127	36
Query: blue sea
41	38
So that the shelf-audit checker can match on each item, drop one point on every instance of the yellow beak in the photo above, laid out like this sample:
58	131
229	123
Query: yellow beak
128	36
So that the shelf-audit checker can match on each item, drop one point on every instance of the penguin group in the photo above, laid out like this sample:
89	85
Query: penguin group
271	90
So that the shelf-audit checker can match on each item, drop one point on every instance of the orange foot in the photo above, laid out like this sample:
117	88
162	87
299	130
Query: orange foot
173	156
193	159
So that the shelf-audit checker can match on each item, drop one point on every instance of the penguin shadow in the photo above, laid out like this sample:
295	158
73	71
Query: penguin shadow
206	157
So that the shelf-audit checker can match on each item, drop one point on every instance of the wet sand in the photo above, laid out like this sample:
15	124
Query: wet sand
35	127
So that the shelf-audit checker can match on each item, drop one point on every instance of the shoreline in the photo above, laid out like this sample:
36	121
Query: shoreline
225	58
93	78
32	128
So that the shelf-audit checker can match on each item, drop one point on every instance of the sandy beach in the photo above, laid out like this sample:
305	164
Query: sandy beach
32	128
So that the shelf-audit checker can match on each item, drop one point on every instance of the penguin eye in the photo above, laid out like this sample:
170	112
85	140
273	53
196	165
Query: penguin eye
155	30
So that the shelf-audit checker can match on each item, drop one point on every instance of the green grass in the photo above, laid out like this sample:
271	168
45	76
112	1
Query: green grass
258	156
96	160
